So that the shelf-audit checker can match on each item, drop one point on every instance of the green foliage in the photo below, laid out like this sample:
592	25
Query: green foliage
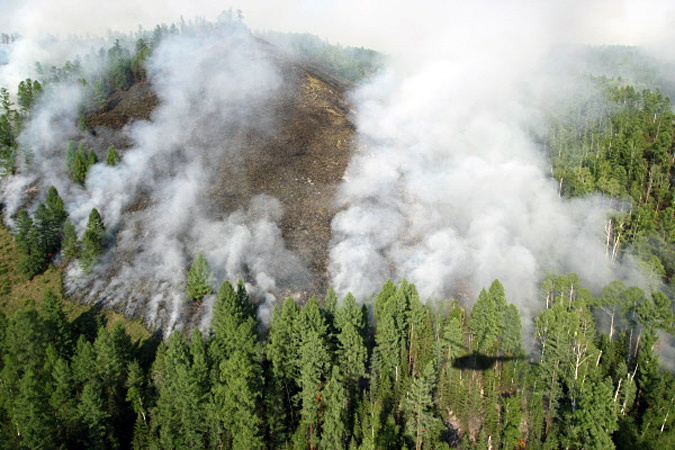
78	162
312	379
620	143
199	279
422	423
8	132
28	93
70	243
335	406
350	63
112	157
143	52
39	239
92	242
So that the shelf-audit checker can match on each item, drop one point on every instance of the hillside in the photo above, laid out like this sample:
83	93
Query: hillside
301	163
452	254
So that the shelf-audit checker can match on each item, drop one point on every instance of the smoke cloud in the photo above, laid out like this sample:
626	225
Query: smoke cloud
214	89
449	187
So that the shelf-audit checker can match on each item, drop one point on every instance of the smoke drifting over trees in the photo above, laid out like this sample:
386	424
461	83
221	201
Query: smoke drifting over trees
214	87
448	185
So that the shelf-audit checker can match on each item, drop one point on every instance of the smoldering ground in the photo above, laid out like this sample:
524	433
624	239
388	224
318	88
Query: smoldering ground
214	87
447	187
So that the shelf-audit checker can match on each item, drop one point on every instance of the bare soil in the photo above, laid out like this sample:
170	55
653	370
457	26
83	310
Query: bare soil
301	163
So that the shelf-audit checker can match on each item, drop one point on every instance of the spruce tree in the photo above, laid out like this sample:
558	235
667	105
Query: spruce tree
33	244
56	207
282	354
57	324
71	157
91	159
80	168
335	408
314	363
422	423
112	158
92	241
56	216
198	279
22	228
237	367
70	243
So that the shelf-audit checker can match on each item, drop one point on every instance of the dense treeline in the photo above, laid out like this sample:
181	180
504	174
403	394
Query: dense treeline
335	374
622	146
397	373
350	63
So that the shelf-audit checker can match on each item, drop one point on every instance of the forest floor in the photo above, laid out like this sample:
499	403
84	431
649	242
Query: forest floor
17	294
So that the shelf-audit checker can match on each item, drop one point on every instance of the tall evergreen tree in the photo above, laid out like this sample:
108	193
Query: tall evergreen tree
335	404
281	386
314	364
422	424
112	158
92	241
56	324
198	279
70	242
237	386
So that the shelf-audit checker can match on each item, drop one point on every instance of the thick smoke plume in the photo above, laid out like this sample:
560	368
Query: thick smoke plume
449	187
214	89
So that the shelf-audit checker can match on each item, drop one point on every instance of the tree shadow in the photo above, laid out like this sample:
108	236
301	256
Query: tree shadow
88	323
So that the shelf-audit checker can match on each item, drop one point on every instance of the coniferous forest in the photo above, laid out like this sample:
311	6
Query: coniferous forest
333	374
589	369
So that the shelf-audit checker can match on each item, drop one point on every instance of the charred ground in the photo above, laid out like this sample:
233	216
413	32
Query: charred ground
301	163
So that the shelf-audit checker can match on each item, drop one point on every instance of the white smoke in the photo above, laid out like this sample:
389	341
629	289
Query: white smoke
214	89
448	187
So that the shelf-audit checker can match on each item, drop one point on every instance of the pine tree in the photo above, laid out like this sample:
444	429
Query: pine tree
181	412
237	355
31	413
352	352
512	331
314	363
485	322
56	208
70	242
22	229
112	157
422	423
93	414
282	354
28	93
71	158
92	241
512	417
33	244
80	166
91	159
55	216
57	324
198	280
64	403
335	408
